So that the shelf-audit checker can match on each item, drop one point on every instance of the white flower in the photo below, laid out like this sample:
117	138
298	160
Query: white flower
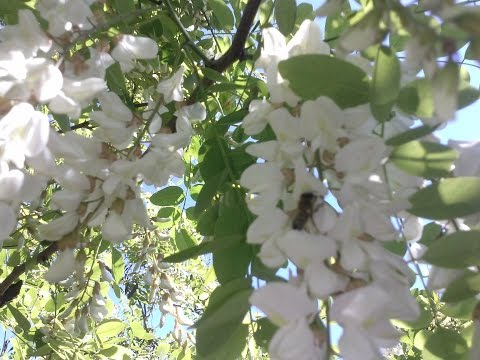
265	182
67	200
468	162
8	220
97	307
55	229
275	50
27	36
171	88
444	88
323	282
62	267
370	308
283	303
285	126
11	182
132	47
440	278
42	80
256	119
355	341
304	248
23	132
115	229
271	255
115	121
361	35
359	158
307	40
267	226
75	95
321	123
295	340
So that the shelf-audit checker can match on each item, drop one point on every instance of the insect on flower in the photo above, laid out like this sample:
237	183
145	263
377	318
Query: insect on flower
305	210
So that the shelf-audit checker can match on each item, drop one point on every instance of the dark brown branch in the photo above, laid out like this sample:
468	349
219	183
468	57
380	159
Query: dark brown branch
235	51
20	269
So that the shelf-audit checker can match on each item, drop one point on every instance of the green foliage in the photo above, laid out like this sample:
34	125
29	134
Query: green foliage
457	250
423	158
445	344
223	317
447	199
311	76
285	14
385	85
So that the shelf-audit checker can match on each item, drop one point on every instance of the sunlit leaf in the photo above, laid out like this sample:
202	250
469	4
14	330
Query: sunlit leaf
109	328
457	250
311	76
424	158
171	195
447	199
444	344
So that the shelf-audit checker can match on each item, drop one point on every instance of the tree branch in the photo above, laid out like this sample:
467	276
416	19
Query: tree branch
20	269
235	51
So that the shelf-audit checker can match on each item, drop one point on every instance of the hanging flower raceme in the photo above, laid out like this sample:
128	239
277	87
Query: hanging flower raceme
337	256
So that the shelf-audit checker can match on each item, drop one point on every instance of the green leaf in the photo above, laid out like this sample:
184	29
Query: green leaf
304	12
109	328
21	320
467	96
285	14
410	134
116	79
458	250
462	288
124	6
416	98
232	348
424	158
139	332
118	266
396	247
214	75
63	122
311	76
430	233
183	240
444	345
261	271
461	310
224	313
232	262
423	321
190	253
209	190
385	84
207	219
386	77
116	352
212	156
337	23
171	195
222	13
447	199
264	332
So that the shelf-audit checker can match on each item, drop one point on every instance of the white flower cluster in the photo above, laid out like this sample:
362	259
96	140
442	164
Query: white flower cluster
322	153
98	174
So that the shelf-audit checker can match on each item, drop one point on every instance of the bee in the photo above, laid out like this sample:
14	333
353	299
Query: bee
305	210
